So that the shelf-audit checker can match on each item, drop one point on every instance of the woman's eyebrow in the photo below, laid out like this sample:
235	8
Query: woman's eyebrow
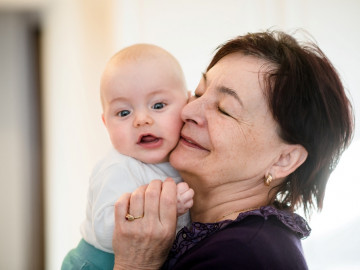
230	92
226	90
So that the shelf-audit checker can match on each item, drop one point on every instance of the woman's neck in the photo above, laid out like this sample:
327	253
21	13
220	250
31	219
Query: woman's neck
226	201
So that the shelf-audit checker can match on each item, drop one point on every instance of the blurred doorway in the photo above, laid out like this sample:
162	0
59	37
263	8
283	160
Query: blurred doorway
21	174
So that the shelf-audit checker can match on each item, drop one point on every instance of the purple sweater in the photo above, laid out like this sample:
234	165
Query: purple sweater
266	238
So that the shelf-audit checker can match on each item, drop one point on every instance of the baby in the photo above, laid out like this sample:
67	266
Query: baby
143	91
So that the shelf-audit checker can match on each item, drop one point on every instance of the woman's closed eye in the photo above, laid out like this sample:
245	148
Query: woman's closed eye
158	106
223	111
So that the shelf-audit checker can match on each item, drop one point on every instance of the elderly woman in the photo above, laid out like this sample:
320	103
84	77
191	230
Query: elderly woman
265	129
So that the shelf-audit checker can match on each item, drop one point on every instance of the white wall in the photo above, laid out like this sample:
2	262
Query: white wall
79	37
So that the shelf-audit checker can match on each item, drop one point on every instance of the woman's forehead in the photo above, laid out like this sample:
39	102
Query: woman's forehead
236	71
238	62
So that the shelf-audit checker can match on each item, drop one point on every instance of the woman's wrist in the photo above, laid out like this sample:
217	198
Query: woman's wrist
125	266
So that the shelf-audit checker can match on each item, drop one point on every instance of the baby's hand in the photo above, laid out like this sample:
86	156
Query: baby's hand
184	198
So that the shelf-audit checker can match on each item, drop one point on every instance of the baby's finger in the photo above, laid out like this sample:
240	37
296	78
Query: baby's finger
182	187
186	196
188	204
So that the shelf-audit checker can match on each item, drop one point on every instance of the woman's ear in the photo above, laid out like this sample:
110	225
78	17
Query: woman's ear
290	159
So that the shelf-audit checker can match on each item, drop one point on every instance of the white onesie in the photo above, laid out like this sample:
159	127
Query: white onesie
112	176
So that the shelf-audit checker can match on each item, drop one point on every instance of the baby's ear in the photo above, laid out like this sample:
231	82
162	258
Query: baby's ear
290	159
189	94
103	119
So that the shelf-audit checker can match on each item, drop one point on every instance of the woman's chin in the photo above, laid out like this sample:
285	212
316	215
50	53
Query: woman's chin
177	158
173	157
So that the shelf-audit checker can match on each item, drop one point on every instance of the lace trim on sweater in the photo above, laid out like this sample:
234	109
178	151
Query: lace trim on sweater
188	237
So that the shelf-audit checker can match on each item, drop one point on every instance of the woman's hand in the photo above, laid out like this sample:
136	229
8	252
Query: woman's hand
144	242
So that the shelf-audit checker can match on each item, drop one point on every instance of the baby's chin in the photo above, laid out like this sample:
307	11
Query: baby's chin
153	159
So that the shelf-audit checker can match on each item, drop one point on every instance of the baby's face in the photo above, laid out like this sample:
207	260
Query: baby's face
142	105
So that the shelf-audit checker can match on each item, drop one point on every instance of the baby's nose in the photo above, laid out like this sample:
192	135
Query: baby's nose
142	119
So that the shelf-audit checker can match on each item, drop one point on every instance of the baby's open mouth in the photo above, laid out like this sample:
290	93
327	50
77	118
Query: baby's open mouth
148	139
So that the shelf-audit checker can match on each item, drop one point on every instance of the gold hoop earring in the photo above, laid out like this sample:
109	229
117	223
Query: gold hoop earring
268	179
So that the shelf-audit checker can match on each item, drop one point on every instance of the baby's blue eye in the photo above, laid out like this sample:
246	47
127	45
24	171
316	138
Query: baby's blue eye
123	113
158	106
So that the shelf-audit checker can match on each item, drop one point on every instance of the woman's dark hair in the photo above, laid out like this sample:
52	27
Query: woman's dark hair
308	101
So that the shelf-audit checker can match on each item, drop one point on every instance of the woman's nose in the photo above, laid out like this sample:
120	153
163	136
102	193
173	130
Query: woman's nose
194	111
142	119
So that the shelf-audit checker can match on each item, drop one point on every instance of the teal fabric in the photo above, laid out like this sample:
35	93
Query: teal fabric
87	257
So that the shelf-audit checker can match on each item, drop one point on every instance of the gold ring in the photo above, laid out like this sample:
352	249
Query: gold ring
131	217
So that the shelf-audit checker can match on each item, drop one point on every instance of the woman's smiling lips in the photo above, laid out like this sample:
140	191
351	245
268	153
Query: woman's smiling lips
191	143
